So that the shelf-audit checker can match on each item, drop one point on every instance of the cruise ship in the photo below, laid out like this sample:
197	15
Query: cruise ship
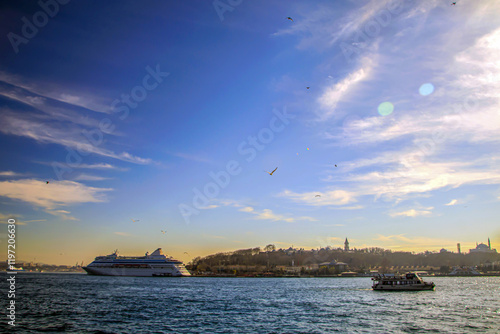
154	264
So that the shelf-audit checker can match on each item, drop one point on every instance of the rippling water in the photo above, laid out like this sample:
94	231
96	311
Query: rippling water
77	303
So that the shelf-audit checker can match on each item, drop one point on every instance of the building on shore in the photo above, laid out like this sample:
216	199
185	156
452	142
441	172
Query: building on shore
482	248
346	245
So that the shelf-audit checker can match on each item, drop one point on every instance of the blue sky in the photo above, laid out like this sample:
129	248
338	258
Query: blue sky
170	114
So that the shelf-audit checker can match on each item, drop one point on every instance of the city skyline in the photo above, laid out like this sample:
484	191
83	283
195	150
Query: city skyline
207	127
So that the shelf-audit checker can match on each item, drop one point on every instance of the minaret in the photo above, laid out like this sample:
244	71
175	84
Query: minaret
346	245
458	248
489	245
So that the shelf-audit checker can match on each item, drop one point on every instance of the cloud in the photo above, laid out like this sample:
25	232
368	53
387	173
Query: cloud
322	27
4	219
452	202
123	234
68	135
87	177
265	214
88	166
337	92
50	196
412	213
38	92
10	173
247	209
208	207
268	214
415	176
327	198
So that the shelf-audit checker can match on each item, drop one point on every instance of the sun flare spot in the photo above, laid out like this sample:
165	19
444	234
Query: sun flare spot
385	108
426	89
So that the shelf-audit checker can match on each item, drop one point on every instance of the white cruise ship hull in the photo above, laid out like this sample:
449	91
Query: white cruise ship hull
137	272
150	265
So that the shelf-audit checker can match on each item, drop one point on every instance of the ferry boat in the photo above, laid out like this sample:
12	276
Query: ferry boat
154	264
407	282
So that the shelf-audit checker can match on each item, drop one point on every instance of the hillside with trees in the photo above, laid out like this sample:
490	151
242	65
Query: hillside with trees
327	261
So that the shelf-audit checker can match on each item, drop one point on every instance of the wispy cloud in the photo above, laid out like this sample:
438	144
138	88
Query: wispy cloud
123	234
53	195
419	176
412	213
10	173
267	214
37	92
104	166
318	198
59	118
5	217
264	214
452	202
322	27
87	177
338	92
69	135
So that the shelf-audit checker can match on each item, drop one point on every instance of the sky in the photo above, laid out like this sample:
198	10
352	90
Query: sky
136	125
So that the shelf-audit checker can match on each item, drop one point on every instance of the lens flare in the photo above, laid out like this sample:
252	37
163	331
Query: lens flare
385	108
426	89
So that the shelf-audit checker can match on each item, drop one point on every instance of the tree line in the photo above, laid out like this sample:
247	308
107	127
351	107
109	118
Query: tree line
315	261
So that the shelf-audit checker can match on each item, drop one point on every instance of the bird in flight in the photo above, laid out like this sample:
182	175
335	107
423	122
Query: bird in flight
289	18
317	196
47	182
453	3
186	253
271	173
335	165
163	231
308	87
135	220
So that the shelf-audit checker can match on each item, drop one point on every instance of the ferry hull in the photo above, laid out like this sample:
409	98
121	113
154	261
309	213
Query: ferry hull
403	288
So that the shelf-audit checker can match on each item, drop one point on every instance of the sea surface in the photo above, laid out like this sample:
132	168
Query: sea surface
79	303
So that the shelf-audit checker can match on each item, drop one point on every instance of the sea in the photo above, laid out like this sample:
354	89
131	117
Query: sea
80	303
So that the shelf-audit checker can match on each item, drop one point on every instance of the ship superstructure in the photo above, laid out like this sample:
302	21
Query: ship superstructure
154	264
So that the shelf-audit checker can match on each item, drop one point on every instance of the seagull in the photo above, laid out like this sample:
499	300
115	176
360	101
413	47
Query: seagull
289	18
135	220
271	173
